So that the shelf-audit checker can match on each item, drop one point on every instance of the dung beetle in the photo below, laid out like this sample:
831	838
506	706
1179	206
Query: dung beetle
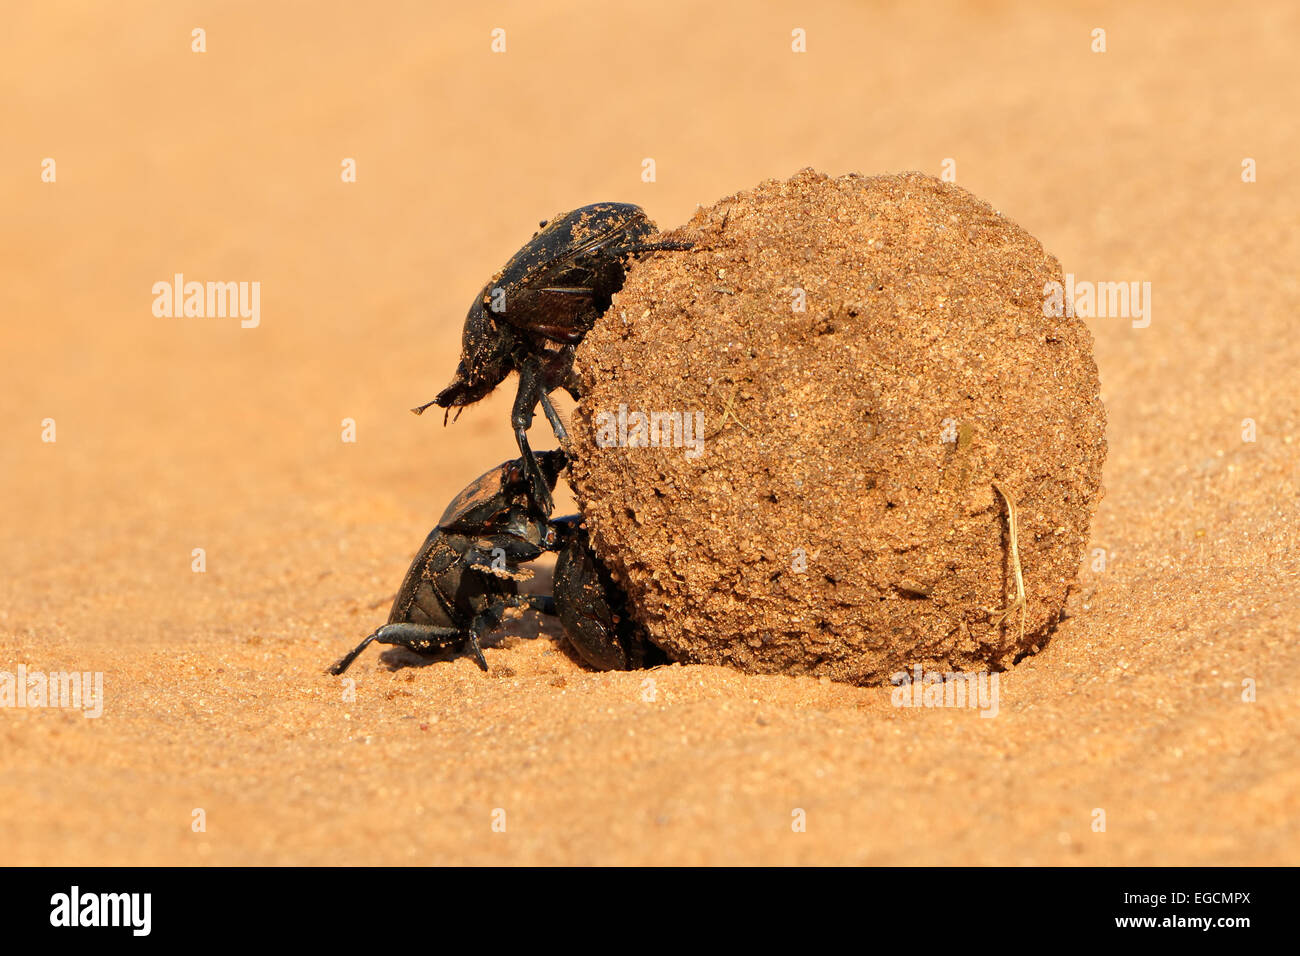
466	575
531	315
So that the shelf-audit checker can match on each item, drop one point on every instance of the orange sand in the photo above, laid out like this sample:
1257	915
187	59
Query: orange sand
175	434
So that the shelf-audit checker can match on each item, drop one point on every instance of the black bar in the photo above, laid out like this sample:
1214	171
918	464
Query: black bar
331	906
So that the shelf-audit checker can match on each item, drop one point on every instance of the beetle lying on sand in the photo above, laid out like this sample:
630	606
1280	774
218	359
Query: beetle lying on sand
466	575
533	313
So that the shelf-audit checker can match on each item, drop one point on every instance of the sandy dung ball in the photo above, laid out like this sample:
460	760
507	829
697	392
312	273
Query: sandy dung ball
795	438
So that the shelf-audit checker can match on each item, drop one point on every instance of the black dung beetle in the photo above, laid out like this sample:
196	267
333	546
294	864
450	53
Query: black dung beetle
466	575
530	317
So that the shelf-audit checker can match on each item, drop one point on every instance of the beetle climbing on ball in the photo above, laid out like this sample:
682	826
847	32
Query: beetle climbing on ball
533	313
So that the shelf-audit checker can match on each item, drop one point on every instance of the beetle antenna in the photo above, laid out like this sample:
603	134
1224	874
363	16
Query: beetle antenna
419	410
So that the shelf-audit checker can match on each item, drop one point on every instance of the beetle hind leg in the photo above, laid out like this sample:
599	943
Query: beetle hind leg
422	638
346	660
591	609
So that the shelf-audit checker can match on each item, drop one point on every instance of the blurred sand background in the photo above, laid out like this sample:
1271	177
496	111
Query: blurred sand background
175	434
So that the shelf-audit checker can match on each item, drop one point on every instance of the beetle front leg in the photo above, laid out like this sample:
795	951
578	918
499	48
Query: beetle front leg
416	637
492	615
485	622
531	387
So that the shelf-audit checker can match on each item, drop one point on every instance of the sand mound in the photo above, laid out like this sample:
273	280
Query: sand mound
837	378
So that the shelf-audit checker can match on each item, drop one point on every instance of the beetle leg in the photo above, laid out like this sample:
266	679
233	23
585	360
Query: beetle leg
572	385
586	599
558	333
541	603
417	637
346	661
486	621
668	245
566	527
477	650
521	416
491	617
553	417
571	291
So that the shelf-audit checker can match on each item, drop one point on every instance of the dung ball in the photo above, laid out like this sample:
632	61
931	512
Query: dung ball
842	434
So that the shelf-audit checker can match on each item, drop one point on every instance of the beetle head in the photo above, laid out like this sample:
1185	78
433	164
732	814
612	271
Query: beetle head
485	360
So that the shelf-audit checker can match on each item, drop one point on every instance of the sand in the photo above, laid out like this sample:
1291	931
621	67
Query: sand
792	437
182	433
